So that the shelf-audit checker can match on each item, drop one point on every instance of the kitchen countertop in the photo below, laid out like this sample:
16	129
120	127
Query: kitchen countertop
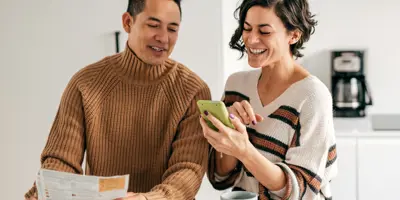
360	127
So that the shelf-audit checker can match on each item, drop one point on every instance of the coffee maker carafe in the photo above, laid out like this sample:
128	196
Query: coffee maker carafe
349	86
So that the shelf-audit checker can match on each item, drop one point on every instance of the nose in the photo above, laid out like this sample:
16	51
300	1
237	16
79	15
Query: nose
162	36
253	38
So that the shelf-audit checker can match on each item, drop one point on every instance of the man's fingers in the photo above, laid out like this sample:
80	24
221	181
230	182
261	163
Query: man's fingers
128	196
247	107
239	126
131	194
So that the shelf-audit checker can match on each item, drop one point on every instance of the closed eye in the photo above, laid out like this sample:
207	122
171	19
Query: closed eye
152	26
172	30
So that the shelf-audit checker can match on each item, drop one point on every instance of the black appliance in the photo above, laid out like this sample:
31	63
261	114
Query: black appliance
350	91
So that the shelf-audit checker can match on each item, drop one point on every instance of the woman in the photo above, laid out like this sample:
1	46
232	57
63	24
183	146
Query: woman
283	146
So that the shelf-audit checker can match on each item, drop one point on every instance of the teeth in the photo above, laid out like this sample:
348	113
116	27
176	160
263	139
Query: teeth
157	49
257	51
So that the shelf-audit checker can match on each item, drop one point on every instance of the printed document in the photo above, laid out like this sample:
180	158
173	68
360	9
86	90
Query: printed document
54	185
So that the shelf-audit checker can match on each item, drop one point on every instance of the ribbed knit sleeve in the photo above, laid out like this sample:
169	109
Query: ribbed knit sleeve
64	150
188	161
132	118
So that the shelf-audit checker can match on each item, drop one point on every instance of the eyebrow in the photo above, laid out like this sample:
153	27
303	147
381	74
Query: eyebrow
158	20
260	25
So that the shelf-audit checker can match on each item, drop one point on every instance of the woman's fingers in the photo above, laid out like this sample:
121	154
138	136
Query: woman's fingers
218	124
232	110
208	132
214	138
259	118
242	112
247	107
239	126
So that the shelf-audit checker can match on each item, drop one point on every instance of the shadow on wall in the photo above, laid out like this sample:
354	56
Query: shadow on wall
318	64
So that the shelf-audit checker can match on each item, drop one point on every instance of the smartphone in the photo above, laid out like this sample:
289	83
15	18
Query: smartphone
217	109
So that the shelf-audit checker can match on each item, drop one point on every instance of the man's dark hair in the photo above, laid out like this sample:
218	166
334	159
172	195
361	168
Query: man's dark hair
137	6
294	14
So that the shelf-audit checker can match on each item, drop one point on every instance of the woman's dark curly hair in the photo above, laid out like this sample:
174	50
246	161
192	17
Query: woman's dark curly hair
294	14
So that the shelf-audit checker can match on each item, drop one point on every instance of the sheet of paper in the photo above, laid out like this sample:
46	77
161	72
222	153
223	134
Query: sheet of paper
54	185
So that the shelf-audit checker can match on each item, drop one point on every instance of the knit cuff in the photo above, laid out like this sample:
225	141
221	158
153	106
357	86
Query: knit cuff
219	178
292	187
284	191
154	195
32	192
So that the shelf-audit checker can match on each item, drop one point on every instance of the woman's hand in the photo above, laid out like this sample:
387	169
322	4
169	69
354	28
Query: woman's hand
228	141
245	113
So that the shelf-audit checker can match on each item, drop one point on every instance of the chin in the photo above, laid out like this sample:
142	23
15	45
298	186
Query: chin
258	61
256	64
155	60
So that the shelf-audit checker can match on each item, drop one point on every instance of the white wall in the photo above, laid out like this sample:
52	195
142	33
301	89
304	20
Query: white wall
345	24
366	24
44	43
199	45
231	60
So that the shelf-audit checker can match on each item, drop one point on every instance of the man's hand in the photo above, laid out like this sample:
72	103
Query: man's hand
34	197
133	196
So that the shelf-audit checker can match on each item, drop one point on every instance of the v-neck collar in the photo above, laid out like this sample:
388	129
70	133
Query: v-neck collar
274	104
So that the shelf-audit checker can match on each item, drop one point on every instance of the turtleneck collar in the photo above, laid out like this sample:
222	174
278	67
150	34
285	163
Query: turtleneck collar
133	69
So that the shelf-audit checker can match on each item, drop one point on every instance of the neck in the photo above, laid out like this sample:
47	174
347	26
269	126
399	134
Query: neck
280	72
133	69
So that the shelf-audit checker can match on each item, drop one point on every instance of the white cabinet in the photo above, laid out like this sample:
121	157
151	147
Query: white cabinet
379	172
344	186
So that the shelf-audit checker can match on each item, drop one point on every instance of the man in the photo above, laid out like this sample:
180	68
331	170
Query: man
135	113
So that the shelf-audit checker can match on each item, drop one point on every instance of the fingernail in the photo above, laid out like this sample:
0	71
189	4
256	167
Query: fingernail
206	112
232	116
254	122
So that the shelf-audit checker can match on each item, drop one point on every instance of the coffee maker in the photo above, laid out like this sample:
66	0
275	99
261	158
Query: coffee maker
350	92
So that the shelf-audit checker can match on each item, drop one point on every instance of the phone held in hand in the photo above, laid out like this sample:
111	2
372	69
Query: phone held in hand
217	109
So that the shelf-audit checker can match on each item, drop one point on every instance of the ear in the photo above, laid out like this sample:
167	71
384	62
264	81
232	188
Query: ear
294	36
127	22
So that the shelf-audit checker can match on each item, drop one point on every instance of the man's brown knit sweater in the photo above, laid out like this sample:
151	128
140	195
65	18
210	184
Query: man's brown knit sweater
132	118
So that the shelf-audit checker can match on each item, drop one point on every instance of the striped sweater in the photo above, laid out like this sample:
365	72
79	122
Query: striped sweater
297	134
